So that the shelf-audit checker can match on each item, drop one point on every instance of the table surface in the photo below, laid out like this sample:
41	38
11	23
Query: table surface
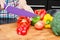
8	32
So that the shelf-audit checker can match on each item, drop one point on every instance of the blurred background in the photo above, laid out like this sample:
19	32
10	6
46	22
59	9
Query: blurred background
47	4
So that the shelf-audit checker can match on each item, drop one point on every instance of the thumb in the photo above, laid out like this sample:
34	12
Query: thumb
2	5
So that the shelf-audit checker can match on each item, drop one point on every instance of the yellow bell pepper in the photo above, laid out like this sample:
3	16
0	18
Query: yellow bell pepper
47	19
47	26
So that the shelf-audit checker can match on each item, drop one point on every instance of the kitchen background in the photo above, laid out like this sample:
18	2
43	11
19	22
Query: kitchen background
47	4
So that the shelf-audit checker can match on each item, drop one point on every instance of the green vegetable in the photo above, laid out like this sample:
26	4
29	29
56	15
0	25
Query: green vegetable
55	24
34	20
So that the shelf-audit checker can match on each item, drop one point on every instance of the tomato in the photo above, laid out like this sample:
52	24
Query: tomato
39	25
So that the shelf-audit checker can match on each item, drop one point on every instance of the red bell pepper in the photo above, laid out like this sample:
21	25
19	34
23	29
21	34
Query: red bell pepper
23	24
41	13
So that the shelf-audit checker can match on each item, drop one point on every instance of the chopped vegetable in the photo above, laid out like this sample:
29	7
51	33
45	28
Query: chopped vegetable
39	25
47	19
41	13
35	20
23	24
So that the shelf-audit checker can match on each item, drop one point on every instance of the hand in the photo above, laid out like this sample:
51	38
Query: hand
2	4
23	5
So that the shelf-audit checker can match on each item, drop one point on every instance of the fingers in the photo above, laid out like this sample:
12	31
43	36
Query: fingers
22	2
2	4
28	8
23	5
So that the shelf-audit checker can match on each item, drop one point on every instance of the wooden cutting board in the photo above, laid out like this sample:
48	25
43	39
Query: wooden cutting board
8	32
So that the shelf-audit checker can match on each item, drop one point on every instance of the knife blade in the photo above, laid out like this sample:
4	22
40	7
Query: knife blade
19	12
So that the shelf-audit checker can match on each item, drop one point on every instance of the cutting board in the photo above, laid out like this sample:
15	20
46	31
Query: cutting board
8	32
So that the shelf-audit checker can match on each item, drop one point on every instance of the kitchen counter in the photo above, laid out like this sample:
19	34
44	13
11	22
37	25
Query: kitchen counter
8	32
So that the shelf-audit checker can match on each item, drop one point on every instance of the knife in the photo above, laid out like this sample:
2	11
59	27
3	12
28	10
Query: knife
19	12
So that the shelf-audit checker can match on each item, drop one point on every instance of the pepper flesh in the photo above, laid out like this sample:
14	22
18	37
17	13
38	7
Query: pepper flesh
47	19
